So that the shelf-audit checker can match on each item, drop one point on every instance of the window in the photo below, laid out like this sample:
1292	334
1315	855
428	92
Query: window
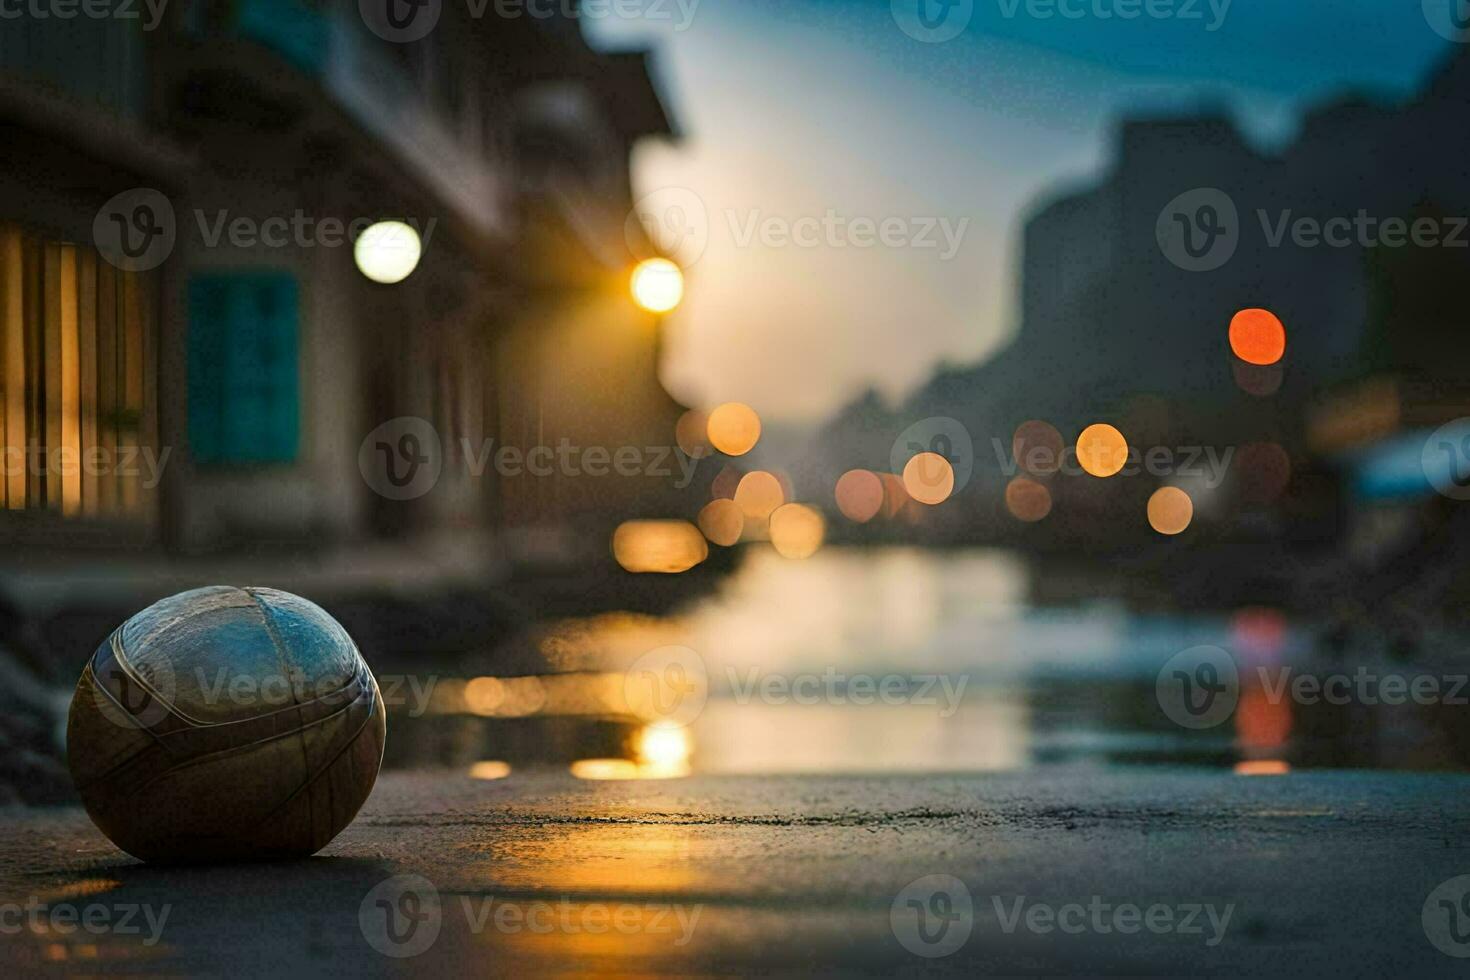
244	401
78	401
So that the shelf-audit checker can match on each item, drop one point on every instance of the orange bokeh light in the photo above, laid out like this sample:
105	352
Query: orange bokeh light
1257	336
859	495
722	522
894	495
1027	500
490	769
658	546
759	494
1102	450
734	429
797	531
1262	723
725	483
928	478
691	433
1037	447
1170	510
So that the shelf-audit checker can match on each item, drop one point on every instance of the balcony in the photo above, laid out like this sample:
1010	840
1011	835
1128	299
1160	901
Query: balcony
323	63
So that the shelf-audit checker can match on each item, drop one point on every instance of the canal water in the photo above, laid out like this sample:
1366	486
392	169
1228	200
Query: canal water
910	660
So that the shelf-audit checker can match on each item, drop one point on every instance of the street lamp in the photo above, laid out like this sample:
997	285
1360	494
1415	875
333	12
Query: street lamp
387	252
657	285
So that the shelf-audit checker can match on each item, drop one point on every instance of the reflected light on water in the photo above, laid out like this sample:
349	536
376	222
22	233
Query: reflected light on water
663	751
1261	724
863	615
1262	767
605	769
657	285
626	769
854	608
989	732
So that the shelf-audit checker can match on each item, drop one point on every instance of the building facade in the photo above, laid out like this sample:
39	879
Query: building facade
192	357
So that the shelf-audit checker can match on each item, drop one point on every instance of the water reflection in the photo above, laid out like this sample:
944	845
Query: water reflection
755	737
901	660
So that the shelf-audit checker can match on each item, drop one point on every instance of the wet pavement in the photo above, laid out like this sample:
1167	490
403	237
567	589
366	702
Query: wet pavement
1055	870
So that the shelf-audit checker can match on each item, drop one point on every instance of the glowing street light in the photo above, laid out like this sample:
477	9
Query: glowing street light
387	252
658	285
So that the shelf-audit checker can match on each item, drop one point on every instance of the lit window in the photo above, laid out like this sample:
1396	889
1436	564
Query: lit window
78	389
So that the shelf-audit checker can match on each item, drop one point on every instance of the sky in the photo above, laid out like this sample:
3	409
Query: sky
802	118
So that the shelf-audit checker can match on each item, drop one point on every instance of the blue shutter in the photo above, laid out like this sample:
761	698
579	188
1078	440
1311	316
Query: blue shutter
244	393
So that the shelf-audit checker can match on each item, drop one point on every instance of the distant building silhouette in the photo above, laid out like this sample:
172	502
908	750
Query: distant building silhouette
1114	329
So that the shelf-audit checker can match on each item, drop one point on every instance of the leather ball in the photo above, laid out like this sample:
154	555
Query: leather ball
226	724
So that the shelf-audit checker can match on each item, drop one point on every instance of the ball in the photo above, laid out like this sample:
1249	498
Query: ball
226	724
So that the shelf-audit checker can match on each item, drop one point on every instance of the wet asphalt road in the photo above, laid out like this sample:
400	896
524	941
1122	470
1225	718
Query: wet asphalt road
1054	871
